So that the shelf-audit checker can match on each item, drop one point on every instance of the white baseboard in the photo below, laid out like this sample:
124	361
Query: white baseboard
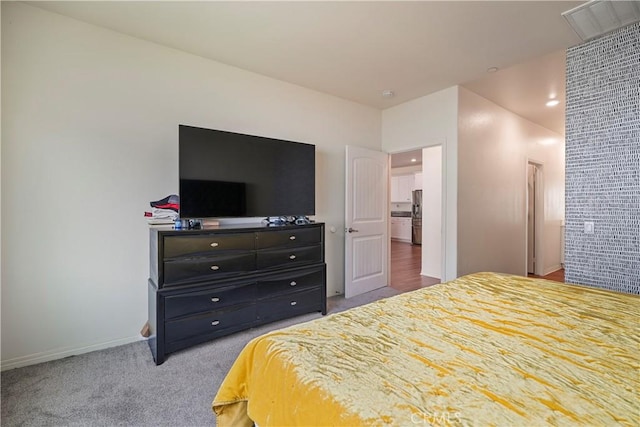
551	269
47	356
397	239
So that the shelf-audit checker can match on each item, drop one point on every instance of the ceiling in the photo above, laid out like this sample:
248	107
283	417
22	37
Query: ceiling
523	89
356	50
406	158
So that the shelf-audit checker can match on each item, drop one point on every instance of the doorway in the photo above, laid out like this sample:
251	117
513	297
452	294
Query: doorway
415	218
535	217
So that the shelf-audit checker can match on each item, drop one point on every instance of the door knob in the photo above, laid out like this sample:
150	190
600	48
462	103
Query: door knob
352	230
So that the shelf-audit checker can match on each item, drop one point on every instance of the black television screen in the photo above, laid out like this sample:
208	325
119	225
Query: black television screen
226	174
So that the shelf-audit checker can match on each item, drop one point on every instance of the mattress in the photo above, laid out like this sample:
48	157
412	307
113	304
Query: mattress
484	349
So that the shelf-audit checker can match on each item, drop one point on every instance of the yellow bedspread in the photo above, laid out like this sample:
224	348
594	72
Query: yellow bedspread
485	349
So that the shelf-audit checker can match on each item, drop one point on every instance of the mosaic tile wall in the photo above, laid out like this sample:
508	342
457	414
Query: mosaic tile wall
603	162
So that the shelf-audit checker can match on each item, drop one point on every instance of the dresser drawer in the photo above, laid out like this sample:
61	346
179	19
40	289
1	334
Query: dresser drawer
209	323
290	305
292	282
196	269
208	283
209	300
177	246
288	257
289	238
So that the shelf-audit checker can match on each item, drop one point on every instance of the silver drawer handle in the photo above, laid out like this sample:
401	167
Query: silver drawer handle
292	283
215	267
292	257
292	237
293	303
214	244
215	299
215	323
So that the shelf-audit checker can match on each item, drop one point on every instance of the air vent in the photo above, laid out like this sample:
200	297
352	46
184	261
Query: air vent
598	17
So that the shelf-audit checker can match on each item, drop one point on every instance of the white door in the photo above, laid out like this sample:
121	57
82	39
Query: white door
366	224
535	217
531	218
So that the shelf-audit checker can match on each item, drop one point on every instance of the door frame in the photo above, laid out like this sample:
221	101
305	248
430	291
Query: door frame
443	207
539	218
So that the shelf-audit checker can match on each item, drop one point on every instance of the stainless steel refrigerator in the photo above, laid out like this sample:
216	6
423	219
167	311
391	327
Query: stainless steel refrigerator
416	218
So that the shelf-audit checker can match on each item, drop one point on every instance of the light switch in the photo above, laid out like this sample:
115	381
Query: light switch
588	227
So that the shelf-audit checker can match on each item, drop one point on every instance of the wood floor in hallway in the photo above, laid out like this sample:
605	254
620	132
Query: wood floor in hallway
405	267
557	276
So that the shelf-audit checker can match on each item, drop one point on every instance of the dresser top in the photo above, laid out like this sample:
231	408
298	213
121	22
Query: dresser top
250	226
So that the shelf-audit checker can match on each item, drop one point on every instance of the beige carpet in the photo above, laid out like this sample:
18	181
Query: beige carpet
122	386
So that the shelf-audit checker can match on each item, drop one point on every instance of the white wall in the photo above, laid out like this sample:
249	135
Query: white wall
428	121
89	137
432	212
494	148
1	275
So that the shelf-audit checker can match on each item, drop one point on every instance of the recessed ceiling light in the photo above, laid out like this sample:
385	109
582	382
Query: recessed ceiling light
387	94
414	160
552	102
492	69
548	141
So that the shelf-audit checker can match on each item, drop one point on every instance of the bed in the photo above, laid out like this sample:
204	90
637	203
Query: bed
484	349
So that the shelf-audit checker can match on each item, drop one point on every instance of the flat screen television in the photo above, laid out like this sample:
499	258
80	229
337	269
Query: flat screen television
226	174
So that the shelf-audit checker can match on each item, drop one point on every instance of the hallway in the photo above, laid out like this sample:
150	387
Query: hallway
556	276
405	269
406	266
